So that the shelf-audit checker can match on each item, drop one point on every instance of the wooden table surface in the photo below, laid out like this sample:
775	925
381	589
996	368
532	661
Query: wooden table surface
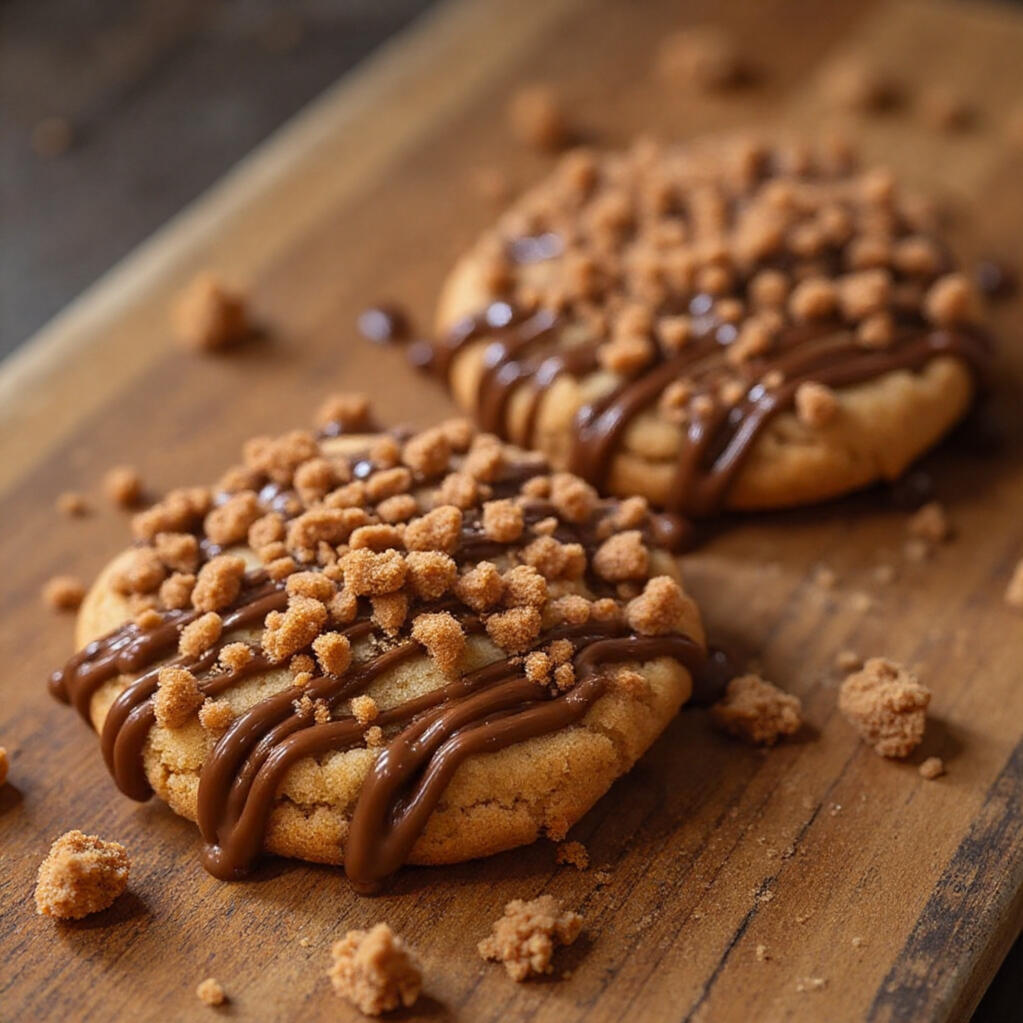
713	849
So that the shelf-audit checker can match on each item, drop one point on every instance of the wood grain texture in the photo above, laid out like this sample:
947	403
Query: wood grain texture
713	849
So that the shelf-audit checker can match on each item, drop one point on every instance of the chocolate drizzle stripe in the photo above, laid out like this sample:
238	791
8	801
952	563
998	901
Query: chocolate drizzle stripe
714	444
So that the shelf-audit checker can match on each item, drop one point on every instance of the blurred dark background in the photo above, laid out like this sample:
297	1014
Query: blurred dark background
116	113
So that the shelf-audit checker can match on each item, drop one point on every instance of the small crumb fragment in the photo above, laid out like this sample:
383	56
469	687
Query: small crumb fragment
72	504
703	56
524	938
855	85
757	711
375	971
762	954
63	592
931	768
211	992
945	109
177	697
82	874
122	485
884	574
1014	591
538	119
887	705
858	942
930	523
807	984
816	405
209	315
573	854
848	660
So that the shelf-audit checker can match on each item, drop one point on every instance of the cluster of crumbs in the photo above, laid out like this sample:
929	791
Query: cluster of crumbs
524	939
424	535
82	874
887	705
773	239
375	971
757	711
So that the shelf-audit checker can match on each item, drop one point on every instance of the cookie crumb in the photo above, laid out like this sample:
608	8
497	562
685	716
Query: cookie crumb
375	971
524	938
1014	591
757	711
847	661
807	984
122	485
209	315
199	635
816	405
883	574
703	56
930	523
216	716
858	942
537	118
365	709
72	504
572	854
177	697
945	109
82	874
856	85
887	705
443	637
63	592
762	954
931	768
211	992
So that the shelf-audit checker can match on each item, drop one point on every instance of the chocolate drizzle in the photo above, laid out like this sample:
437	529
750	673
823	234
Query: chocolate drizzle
524	352
430	735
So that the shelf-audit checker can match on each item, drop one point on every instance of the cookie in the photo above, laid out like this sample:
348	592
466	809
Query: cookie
373	649
717	325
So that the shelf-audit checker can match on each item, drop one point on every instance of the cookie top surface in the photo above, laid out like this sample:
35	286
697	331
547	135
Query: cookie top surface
670	305
380	608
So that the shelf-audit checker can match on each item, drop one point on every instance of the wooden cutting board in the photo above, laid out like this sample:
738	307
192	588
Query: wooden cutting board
714	850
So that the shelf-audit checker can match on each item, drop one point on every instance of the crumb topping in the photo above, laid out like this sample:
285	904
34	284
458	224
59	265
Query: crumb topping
649	251
375	971
887	705
524	939
82	874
